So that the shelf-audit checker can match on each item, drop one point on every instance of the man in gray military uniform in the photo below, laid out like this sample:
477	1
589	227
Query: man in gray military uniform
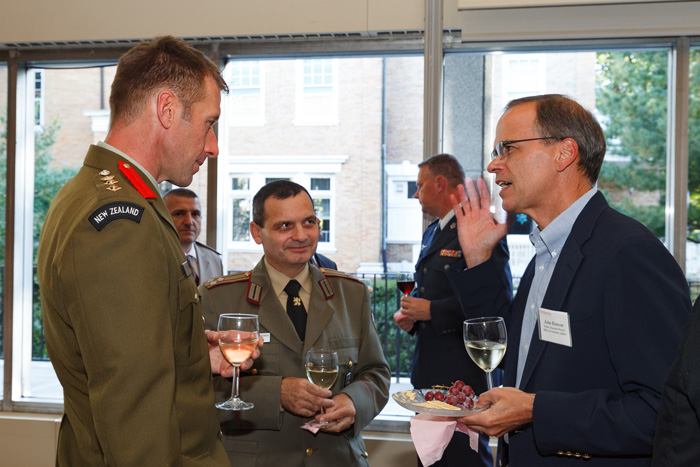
186	211
337	315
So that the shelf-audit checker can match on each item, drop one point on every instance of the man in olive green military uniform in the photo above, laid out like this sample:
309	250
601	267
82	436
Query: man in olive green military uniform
338	318
121	311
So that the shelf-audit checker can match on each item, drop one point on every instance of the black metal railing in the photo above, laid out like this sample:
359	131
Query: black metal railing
398	345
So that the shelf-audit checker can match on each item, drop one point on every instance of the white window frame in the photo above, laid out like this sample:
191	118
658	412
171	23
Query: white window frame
515	88
300	169
237	119
301	114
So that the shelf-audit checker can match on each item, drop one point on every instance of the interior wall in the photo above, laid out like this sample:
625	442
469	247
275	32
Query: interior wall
31	439
86	20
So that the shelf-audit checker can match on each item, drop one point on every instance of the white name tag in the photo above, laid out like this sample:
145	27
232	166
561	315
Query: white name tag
265	336
554	327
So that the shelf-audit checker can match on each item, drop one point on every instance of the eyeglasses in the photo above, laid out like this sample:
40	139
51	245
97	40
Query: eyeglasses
501	152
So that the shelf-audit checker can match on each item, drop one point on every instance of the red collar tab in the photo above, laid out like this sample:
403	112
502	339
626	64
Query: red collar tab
128	171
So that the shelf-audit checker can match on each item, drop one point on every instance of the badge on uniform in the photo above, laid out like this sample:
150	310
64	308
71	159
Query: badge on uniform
451	253
113	211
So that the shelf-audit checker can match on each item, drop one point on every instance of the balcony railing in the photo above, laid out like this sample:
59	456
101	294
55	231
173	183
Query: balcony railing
385	297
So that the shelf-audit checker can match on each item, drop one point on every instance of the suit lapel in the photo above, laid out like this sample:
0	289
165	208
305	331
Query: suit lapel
426	250
271	314
562	277
320	310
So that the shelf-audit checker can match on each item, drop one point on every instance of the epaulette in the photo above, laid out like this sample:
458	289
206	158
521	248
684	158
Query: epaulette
228	279
333	273
326	285
135	179
208	248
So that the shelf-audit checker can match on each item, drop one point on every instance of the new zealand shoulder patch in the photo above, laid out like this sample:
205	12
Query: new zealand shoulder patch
113	211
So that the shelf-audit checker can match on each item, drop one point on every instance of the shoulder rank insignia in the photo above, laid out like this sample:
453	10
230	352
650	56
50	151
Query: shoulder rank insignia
128	171
112	211
451	253
228	279
326	288
334	273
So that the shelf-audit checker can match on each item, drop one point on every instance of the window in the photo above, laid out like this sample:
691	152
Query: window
3	168
317	93
246	96
244	186
241	209
38	99
625	89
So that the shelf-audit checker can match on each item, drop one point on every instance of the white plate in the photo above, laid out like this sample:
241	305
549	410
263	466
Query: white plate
410	399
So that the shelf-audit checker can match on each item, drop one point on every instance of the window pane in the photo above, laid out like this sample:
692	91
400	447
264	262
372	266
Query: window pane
320	183
72	121
3	167
240	183
693	243
241	220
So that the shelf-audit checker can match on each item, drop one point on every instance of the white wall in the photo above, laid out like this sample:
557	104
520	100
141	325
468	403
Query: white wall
75	20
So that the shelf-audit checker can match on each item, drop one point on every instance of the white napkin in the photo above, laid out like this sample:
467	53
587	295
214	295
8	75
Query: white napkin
431	435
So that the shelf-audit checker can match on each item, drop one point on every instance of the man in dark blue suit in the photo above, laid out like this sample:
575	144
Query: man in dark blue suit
433	313
600	310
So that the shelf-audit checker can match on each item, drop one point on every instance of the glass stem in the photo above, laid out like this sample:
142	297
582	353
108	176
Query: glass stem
234	386
489	381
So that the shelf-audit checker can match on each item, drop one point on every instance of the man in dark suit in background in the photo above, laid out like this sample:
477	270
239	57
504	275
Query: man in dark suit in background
433	313
186	211
599	312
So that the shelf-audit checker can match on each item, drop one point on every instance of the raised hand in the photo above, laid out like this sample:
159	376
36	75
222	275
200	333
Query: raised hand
478	231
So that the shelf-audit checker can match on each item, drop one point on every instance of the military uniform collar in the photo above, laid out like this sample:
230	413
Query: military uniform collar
279	280
150	177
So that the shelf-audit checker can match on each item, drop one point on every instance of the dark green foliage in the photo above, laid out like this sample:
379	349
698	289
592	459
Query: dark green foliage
47	182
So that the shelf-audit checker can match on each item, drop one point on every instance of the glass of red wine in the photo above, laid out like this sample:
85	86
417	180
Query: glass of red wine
405	282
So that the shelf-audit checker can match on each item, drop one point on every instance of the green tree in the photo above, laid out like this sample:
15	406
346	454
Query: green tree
47	182
632	95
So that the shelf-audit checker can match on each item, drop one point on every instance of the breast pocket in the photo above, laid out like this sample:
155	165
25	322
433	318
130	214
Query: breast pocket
348	349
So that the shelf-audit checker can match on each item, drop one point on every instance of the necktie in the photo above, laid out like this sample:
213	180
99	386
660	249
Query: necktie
194	266
295	308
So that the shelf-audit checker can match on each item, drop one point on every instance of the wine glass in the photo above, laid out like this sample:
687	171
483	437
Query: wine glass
405	282
485	339
322	370
238	337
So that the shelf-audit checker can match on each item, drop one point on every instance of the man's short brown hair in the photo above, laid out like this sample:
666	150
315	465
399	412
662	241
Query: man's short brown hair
163	63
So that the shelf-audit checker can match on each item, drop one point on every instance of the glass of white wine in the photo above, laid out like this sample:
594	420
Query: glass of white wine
238	337
485	339
322	370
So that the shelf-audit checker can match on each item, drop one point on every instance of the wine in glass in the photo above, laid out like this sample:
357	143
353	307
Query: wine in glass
485	340
238	337
322	370
405	282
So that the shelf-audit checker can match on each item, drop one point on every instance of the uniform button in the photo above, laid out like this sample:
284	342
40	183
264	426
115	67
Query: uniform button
425	270
447	266
365	455
254	371
309	451
422	289
196	298
422	325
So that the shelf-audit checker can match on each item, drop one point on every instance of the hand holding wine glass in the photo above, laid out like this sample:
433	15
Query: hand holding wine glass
238	337
322	370
486	340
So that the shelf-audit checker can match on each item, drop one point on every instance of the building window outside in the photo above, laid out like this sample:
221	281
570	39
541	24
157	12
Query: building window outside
244	186
317	92
246	92
38	83
523	75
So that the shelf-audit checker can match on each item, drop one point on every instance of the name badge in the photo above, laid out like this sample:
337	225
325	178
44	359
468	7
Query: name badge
554	327
265	336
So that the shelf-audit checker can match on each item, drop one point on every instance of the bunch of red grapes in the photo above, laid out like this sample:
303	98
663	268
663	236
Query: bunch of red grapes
459	394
